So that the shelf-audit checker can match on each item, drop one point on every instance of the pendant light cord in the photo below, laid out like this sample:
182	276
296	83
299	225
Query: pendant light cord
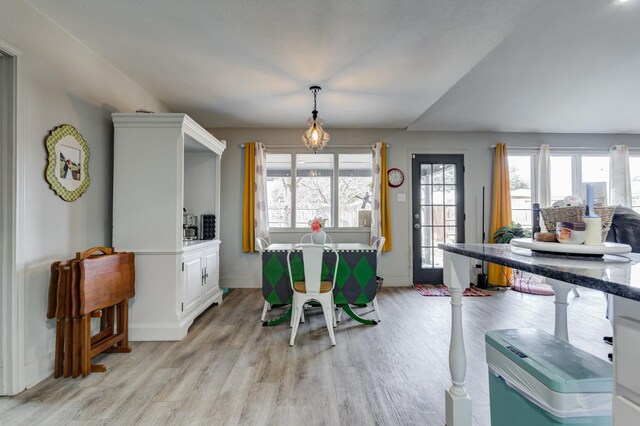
314	113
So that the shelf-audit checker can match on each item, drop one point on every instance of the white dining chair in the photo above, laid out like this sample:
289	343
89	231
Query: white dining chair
378	244
324	238
261	245
319	237
312	288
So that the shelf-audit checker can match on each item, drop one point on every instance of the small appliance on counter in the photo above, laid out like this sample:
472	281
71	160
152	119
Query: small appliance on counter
189	226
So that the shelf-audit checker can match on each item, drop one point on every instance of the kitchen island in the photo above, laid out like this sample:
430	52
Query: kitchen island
617	275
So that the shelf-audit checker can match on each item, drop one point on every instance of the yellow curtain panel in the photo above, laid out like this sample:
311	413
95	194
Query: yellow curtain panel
500	210
248	218
385	211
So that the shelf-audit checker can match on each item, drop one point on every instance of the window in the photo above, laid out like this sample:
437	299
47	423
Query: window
561	181
520	176
279	190
314	175
634	166
595	169
568	174
337	187
355	190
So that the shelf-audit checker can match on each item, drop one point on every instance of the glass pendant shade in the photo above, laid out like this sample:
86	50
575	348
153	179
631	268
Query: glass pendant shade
315	138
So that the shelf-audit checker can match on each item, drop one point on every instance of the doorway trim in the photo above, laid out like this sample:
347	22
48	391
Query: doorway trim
12	292
436	151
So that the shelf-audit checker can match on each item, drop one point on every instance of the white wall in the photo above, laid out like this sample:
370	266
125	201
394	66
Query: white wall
3	205
63	82
243	270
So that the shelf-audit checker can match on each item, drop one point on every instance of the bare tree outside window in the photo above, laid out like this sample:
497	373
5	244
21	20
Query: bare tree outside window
355	190
314	195
521	194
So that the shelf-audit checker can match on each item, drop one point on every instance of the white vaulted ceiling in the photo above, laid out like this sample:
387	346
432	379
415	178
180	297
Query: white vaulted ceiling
519	65
573	66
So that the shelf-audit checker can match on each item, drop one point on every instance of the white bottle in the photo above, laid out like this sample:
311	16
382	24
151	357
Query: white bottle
593	230
592	222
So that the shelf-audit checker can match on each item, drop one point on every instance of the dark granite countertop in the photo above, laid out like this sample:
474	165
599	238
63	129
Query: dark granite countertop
614	274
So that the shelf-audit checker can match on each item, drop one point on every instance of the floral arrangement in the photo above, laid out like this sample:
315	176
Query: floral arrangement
317	223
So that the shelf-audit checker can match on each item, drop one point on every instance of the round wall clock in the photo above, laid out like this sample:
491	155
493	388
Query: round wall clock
395	177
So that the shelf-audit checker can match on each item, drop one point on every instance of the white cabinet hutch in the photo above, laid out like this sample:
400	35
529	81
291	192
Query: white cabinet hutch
162	164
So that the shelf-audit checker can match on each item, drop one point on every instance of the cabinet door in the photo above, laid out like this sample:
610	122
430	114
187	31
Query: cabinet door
192	281
211	264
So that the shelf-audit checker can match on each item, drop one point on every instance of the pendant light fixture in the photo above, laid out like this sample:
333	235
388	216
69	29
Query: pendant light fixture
315	138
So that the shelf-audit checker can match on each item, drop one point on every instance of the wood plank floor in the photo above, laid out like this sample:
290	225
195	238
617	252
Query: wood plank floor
229	370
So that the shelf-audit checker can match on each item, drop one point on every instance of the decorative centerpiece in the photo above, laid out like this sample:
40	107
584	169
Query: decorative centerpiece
317	224
552	215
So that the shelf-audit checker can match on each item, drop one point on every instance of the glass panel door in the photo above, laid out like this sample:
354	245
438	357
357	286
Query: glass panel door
438	212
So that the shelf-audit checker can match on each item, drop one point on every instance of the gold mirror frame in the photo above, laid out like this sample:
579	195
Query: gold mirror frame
67	162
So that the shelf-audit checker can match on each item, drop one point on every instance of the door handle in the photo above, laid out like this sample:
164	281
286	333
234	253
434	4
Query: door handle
417	226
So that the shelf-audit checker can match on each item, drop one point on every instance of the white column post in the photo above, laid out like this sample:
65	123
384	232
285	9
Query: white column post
561	290
457	400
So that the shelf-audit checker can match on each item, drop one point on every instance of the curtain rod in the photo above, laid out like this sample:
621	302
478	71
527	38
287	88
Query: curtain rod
242	145
537	148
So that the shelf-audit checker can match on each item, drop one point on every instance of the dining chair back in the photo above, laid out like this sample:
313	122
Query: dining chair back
261	244
319	237
313	288
378	243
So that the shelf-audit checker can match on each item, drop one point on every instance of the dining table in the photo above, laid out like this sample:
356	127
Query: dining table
617	275
355	277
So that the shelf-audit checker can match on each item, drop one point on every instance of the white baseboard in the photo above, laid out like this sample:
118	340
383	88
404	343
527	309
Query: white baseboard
397	281
146	332
241	282
171	331
38	369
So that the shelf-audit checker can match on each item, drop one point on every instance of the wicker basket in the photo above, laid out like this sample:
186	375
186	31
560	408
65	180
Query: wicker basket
552	215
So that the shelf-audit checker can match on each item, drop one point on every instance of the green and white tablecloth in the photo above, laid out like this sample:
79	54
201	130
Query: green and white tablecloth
355	279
